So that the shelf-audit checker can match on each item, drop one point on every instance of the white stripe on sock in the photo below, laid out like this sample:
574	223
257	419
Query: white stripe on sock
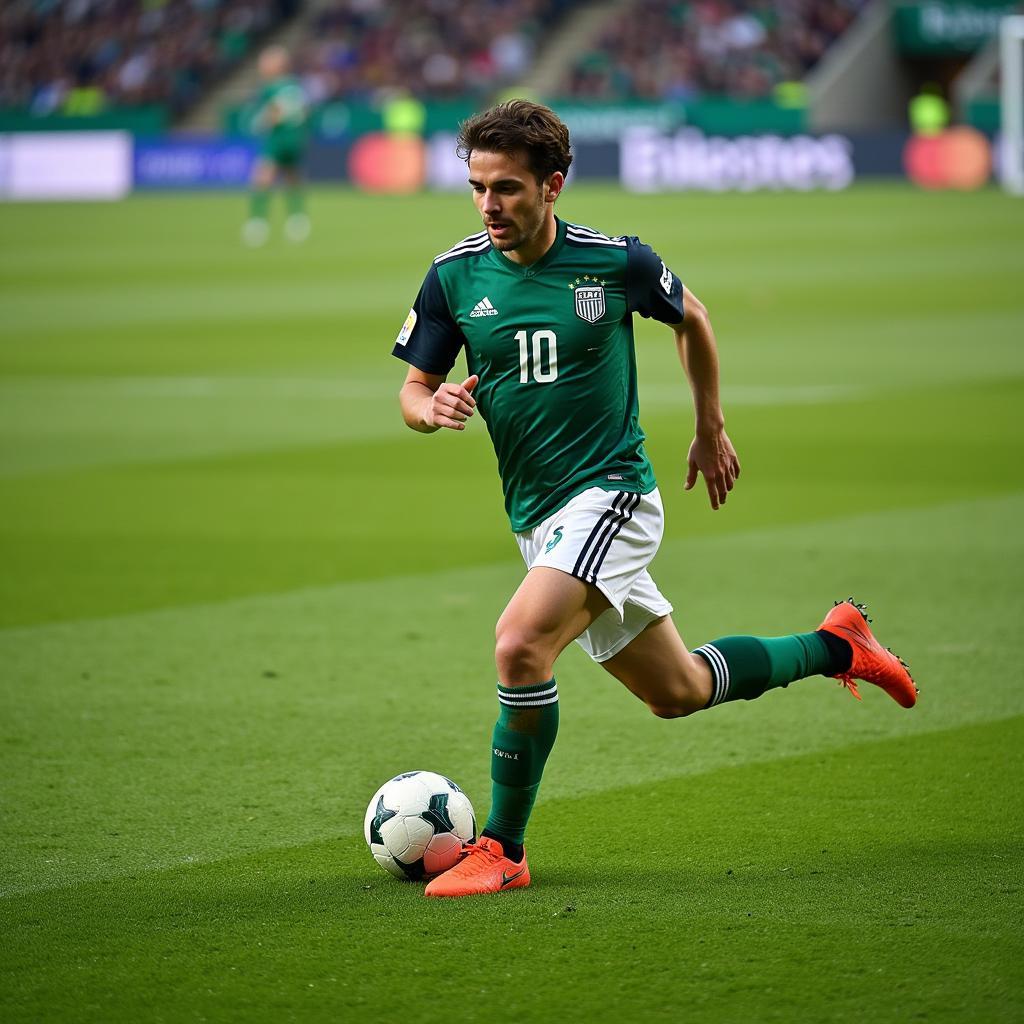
725	671
513	695
528	703
719	672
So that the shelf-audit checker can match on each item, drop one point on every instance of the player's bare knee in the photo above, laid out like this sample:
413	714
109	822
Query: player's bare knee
678	707
677	700
520	655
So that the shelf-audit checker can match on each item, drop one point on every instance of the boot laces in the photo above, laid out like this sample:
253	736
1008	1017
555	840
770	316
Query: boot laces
848	681
477	858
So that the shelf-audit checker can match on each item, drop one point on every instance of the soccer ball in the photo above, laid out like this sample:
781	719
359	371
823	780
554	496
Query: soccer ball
416	824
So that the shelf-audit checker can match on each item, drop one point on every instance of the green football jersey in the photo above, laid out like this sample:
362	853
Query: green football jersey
553	345
280	117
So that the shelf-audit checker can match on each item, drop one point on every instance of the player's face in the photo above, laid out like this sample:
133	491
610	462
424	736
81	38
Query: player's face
273	63
516	209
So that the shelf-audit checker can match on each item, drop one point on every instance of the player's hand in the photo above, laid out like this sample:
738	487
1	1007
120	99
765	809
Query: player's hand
714	456
452	404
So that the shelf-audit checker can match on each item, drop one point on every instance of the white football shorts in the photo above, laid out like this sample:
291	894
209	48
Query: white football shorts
607	538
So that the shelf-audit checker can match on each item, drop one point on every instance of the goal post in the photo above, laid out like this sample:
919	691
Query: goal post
1011	68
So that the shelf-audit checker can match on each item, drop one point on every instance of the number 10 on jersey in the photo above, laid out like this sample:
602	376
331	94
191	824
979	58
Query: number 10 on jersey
540	349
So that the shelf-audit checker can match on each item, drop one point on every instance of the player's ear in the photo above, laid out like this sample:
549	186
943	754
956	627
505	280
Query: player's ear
552	186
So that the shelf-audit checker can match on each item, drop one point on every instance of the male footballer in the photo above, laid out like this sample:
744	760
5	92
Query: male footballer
280	120
544	310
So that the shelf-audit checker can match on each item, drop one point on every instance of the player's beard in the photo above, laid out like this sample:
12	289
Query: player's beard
521	233
508	243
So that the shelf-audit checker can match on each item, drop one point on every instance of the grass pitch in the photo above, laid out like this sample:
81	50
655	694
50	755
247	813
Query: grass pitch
238	594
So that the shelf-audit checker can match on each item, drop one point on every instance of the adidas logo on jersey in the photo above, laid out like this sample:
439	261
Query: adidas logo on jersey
484	308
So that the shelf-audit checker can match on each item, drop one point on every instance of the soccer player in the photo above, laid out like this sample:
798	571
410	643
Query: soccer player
544	311
280	119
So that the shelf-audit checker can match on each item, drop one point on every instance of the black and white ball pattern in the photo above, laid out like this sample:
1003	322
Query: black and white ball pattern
416	824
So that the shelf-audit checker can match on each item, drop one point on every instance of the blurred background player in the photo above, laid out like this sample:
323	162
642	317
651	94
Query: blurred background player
280	118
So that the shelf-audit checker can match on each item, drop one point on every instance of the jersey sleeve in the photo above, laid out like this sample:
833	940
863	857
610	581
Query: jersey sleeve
429	339
652	290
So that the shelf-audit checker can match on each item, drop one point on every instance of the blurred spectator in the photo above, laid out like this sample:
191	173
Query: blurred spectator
78	56
429	48
664	49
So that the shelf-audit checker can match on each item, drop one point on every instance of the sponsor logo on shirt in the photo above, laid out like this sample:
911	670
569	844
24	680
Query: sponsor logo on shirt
484	308
666	278
406	332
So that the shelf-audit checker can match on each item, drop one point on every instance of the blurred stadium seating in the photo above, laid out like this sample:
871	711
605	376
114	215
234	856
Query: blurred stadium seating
435	49
81	56
666	49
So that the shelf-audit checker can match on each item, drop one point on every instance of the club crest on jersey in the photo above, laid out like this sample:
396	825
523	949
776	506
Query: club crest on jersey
589	302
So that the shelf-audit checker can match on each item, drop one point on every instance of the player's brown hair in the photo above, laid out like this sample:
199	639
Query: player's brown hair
519	126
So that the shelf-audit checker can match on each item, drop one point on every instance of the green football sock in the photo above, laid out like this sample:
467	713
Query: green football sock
259	203
744	667
296	200
523	737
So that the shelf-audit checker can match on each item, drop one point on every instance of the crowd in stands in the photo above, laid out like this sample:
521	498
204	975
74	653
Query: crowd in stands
671	50
82	56
434	48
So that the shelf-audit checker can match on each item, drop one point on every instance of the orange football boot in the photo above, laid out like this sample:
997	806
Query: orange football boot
483	868
871	661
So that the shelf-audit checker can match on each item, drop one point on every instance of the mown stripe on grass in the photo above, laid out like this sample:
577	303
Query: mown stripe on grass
864	883
54	425
216	729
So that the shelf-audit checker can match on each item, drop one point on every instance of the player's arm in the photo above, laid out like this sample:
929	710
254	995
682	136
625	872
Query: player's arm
429	342
429	402
652	290
711	452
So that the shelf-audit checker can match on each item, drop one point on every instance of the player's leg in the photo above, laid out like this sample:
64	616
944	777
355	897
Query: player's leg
583	561
656	667
297	224
673	682
257	227
548	611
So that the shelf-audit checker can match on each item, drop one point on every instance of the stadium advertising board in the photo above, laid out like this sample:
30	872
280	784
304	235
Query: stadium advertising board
446	172
104	165
66	165
651	161
645	160
937	27
193	163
